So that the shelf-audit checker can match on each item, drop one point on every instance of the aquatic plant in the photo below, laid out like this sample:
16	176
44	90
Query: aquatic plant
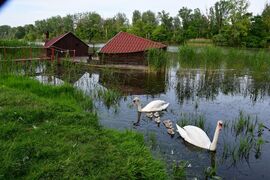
187	53
256	60
179	170
244	124
247	133
210	172
198	121
109	97
152	140
157	59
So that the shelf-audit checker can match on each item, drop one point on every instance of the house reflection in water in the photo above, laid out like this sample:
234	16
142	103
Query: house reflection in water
133	82
128	83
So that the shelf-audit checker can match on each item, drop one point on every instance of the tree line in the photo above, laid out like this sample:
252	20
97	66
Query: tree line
227	23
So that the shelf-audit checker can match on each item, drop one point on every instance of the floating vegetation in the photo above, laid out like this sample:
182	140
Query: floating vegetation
157	59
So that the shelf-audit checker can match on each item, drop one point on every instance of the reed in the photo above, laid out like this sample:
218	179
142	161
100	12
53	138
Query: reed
109	97
198	121
244	124
157	59
255	60
247	133
187	53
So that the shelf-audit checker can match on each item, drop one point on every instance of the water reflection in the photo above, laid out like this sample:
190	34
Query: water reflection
208	84
133	83
49	80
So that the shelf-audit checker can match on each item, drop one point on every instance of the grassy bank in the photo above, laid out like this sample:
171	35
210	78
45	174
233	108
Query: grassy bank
51	132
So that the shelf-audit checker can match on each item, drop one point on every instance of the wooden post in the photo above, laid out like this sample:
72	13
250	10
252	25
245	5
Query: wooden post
30	51
52	55
5	53
24	55
74	55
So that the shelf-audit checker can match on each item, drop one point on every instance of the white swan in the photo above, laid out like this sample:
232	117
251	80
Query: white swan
153	106
198	137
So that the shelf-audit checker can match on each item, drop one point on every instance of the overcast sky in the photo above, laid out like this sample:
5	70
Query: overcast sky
21	12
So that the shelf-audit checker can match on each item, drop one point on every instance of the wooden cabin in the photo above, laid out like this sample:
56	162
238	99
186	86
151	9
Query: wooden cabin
125	48
66	44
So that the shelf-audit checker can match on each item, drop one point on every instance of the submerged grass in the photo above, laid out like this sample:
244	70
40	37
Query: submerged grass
247	133
50	133
198	121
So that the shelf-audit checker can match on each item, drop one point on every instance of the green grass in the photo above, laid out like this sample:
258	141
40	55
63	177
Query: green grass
157	59
230	58
17	49
13	43
51	132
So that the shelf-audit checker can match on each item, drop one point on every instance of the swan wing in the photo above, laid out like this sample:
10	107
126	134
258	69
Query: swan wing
154	106
195	136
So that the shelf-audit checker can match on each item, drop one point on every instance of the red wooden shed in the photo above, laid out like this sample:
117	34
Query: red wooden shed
125	48
65	44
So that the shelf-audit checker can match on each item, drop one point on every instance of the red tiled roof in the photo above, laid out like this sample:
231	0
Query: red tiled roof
126	43
54	40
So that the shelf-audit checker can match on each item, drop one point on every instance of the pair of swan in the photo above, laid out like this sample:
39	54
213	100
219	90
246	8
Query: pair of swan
191	134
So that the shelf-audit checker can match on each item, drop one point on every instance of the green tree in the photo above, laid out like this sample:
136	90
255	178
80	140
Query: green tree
136	16
5	31
89	26
20	32
167	23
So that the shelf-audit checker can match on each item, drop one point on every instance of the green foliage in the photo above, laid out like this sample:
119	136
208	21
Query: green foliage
187	53
157	59
46	133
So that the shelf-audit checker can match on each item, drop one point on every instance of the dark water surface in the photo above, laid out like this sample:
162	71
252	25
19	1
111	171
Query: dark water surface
212	92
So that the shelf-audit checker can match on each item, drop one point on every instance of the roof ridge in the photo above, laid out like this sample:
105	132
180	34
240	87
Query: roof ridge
111	39
127	42
145	39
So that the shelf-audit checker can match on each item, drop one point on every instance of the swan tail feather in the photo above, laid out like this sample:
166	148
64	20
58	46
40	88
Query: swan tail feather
181	131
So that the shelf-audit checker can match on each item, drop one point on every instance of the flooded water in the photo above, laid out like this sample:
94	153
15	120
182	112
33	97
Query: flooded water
207	92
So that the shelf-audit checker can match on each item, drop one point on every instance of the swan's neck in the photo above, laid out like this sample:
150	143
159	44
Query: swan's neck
213	145
139	107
